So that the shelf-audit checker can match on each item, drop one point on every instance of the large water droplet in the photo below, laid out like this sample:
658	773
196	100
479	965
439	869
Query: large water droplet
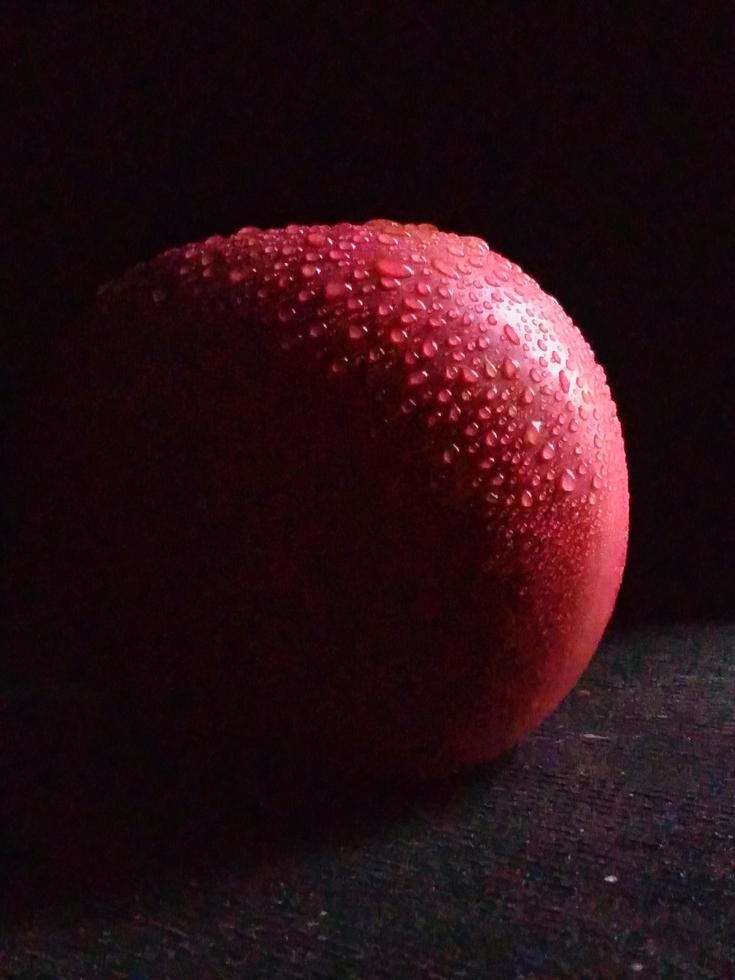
334	289
413	303
444	268
417	378
392	268
532	434
527	396
567	481
526	499
511	334
339	366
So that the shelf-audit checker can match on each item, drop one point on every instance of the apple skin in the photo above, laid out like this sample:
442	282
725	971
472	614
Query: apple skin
353	495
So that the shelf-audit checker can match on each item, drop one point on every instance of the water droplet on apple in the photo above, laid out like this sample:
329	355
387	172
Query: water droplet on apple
532	434
392	268
567	481
444	268
527	396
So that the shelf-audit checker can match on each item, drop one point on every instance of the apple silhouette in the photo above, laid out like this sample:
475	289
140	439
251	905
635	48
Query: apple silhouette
354	496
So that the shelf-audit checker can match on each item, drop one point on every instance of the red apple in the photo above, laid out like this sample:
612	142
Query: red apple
355	492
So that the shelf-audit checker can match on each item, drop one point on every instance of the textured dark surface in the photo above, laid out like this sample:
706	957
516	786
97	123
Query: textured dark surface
604	846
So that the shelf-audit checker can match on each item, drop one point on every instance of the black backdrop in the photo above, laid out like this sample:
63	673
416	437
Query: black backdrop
590	143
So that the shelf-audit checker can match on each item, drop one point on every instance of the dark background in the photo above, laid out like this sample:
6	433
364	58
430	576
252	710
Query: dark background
593	147
591	143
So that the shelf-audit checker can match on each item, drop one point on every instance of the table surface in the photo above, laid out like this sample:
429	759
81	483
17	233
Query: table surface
603	846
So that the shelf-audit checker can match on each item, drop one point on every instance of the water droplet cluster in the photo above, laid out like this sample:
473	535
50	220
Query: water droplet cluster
514	410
